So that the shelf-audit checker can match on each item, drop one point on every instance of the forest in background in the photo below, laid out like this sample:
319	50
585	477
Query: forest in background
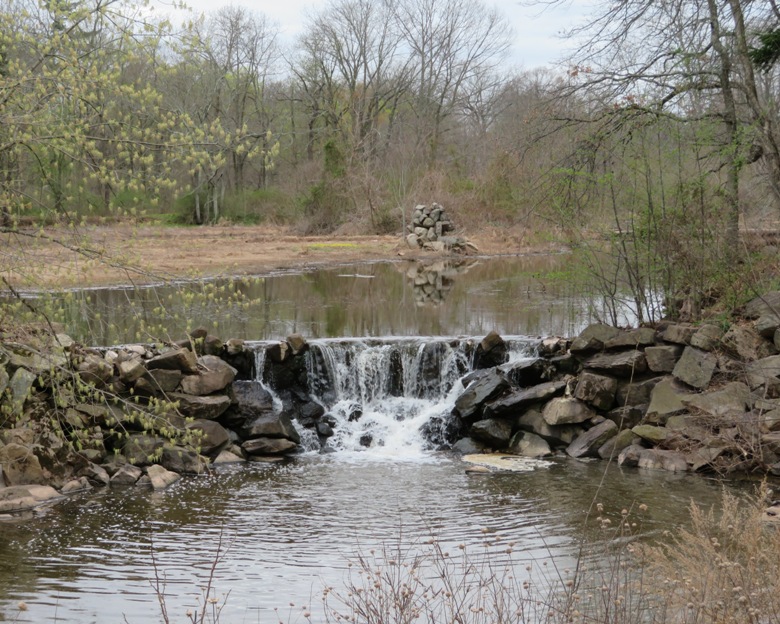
659	134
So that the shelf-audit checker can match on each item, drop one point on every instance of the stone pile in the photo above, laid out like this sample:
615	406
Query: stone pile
73	418
429	224
675	397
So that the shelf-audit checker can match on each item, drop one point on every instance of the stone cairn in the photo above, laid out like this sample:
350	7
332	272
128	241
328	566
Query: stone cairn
429	224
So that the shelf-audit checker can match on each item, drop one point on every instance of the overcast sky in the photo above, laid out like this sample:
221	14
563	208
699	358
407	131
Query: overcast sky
537	39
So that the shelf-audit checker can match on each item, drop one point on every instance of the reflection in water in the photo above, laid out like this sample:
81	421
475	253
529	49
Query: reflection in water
293	527
510	295
433	281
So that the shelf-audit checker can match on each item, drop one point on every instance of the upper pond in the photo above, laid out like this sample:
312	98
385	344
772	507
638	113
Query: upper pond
524	295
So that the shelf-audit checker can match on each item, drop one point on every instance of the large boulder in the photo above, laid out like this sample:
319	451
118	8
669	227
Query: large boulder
181	359
20	387
593	338
20	465
22	497
732	399
529	445
160	477
470	403
633	338
662	359
270	425
707	337
533	422
666	399
494	432
491	351
589	443
514	403
695	367
747	344
566	411
214	375
212	437
206	407
657	459
597	390
530	373
268	446
615	445
181	460
142	449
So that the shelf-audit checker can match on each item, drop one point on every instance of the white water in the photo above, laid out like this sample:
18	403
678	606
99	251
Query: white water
383	396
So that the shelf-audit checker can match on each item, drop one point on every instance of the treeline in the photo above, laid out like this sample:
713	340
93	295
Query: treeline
107	108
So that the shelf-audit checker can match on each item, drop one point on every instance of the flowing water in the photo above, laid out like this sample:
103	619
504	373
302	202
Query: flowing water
289	529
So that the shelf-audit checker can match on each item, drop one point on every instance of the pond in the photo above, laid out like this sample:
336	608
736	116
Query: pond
521	295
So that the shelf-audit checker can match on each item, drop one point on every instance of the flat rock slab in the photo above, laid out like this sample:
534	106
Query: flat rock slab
511	463
514	403
214	374
662	359
495	432
21	497
766	303
620	364
641	337
183	360
206	407
733	398
666	399
589	443
566	411
598	390
593	338
765	370
529	445
655	459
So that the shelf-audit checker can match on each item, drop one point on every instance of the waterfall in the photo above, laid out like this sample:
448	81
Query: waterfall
393	397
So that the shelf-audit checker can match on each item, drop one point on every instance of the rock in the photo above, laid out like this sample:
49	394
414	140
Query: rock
180	359
679	333
566	411
627	416
279	352
533	421
656	459
142	449
214	374
269	425
492	431
162	381
228	457
213	437
213	345
597	390
126	475
530	373
626	364
20	388
747	344
641	337
763	372
131	370
614	446
630	455
637	393
593	338
21	497
662	359
467	446
20	465
206	407
703	458
695	367
234	346
268	446
181	460
324	430
707	337
652	434
666	399
767	325
529	445
298	344
588	443
733	398
514	403
491	351
4	379
470	403
160	477
96	475
76	485
764	304
412	241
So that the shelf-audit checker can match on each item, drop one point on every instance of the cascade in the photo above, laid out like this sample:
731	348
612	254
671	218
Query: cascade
392	397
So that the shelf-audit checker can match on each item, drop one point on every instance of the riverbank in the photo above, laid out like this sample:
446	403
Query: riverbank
124	254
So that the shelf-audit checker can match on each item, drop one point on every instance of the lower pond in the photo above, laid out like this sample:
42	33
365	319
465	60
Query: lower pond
291	529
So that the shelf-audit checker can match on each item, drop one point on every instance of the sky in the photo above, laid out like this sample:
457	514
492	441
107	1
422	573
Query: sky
537	30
